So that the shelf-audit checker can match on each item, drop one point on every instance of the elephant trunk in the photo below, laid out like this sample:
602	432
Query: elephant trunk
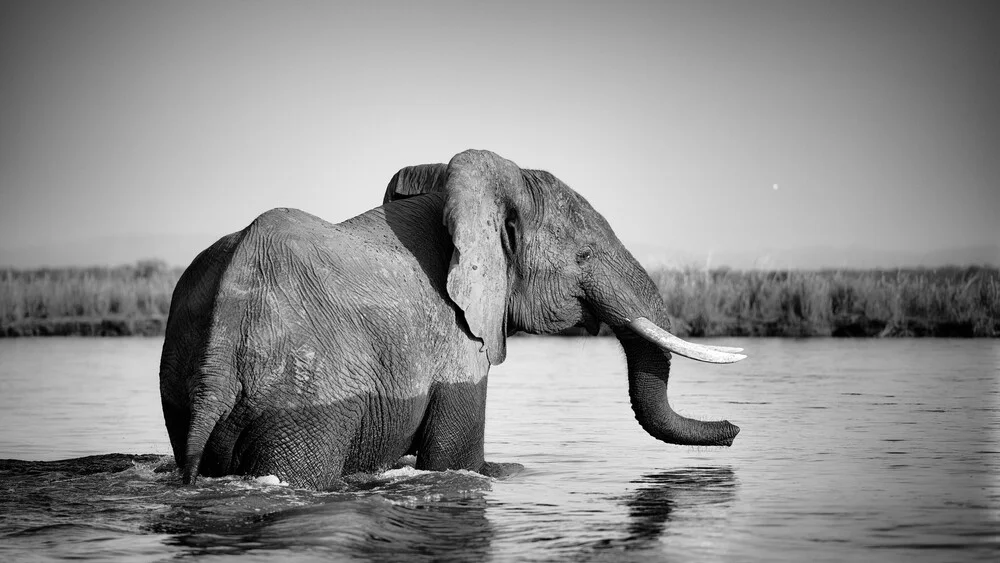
648	371
628	309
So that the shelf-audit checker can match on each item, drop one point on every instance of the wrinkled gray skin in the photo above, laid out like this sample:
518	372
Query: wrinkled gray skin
309	350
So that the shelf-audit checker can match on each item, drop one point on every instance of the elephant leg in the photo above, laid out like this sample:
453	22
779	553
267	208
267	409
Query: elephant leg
177	419
216	461
301	447
451	436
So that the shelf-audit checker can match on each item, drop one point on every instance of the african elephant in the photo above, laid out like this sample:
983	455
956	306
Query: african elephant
309	350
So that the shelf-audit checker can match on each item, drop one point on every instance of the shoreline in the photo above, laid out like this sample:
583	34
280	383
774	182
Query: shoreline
72	326
134	300
842	328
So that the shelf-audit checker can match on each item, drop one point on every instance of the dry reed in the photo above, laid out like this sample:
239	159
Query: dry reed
135	299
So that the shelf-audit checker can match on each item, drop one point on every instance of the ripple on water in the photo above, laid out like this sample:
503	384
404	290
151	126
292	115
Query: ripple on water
899	463
94	508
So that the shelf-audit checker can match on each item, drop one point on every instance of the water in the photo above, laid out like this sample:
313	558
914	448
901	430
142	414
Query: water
850	450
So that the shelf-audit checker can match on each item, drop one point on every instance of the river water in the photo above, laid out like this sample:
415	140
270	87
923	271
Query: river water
855	450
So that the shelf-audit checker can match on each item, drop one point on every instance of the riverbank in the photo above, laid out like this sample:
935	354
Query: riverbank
131	300
945	302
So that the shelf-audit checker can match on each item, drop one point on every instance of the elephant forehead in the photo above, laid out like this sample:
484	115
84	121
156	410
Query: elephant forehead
565	209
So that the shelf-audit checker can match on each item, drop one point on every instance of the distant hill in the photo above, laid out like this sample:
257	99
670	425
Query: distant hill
179	250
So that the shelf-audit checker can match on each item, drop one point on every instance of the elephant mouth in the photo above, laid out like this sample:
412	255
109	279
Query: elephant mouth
589	319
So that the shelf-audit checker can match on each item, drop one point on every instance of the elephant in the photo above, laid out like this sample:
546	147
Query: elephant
312	351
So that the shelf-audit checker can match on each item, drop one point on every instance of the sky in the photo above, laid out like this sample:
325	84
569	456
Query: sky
696	127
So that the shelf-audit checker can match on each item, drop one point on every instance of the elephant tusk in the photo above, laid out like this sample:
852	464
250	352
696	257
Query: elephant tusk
712	354
723	348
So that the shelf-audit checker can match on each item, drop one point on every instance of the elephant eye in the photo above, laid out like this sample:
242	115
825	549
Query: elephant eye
583	255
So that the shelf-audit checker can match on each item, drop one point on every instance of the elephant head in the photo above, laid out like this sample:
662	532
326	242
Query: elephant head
530	254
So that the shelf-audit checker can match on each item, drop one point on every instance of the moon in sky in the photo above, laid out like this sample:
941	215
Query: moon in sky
775	187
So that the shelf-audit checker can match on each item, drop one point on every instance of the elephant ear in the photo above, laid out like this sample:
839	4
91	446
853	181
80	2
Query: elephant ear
416	180
478	199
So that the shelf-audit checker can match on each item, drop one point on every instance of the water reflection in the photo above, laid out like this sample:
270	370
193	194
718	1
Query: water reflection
668	495
902	464
674	497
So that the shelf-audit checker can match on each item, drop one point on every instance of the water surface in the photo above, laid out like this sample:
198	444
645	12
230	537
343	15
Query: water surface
849	450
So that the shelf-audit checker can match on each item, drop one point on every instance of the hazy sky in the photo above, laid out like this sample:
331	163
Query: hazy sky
878	121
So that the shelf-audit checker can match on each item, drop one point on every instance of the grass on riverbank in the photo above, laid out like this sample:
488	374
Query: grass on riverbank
959	302
962	302
98	301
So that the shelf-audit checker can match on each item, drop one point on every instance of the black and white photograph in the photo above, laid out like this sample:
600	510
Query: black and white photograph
643	281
